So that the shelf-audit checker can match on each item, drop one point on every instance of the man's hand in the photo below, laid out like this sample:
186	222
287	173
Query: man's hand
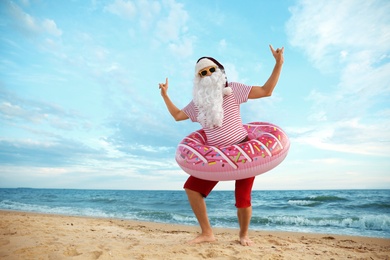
177	114
278	54
268	88
164	88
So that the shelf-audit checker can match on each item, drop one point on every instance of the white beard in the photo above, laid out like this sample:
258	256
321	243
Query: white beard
208	98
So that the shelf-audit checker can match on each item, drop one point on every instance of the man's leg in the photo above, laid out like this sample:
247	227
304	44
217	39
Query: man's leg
244	218
197	190
198	206
244	208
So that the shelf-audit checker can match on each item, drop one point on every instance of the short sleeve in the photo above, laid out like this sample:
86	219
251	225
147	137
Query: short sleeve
191	111
240	91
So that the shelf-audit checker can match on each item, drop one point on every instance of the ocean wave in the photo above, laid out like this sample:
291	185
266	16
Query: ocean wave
315	200
61	210
325	198
103	200
367	222
378	206
303	203
165	217
184	218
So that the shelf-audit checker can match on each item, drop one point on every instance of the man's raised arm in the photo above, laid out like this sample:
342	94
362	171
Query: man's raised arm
176	113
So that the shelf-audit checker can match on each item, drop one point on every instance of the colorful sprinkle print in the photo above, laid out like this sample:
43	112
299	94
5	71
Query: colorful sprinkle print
267	141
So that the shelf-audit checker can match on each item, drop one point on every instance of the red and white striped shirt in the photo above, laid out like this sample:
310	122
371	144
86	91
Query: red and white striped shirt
232	130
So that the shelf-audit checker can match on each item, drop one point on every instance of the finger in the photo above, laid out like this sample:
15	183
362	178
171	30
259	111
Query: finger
272	49
166	81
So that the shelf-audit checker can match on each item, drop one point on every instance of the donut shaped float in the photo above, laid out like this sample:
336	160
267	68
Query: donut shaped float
266	148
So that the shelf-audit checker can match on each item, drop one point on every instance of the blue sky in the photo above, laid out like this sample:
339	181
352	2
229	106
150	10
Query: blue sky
80	105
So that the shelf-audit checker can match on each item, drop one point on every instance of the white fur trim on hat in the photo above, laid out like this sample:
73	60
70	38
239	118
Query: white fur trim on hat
204	63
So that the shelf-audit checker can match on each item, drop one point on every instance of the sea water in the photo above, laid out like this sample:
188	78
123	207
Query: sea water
346	212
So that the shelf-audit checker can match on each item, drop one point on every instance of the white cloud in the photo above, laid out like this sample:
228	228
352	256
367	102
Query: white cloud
343	55
162	23
350	40
182	48
331	161
50	27
326	28
146	11
124	9
172	29
16	111
346	136
149	10
173	26
31	25
222	44
25	2
23	20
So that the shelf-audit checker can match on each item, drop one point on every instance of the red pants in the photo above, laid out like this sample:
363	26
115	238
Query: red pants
242	192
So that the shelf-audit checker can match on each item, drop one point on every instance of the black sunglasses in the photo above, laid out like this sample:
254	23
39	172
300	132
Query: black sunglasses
204	72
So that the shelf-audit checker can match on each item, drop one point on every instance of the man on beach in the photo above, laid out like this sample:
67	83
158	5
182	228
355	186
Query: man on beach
215	105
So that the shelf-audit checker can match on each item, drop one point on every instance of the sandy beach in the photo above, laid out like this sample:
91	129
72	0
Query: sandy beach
42	236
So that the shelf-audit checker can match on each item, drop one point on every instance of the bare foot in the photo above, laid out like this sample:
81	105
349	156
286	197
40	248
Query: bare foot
202	238
245	241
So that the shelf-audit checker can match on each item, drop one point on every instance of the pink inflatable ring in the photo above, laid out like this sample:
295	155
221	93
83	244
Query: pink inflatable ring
266	148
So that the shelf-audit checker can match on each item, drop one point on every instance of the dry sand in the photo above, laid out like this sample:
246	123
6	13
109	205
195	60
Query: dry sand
42	236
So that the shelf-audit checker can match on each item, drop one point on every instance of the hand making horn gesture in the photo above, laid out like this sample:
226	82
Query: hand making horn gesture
278	54
164	87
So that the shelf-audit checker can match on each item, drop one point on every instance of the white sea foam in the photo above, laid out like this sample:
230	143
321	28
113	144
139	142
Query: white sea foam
302	202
